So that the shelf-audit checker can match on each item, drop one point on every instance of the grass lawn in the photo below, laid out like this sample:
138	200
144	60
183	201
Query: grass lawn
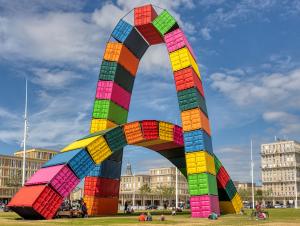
278	217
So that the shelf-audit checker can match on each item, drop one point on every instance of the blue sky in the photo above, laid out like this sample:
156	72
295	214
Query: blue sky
248	54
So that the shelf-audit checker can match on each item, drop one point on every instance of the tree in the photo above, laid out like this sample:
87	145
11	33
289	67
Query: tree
166	192
144	190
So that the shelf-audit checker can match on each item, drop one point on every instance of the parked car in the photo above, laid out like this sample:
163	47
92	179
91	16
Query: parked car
279	206
151	207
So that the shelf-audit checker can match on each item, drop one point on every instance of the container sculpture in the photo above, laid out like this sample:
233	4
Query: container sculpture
97	157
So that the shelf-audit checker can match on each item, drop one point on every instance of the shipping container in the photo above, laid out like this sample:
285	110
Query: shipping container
78	160
176	40
191	98
178	162
101	124
61	178
82	143
36	202
133	132
237	203
230	189
173	153
226	207
143	17
168	145
202	184
106	109
131	38
178	135
107	169
204	205
187	78
166	131
150	129
109	90
112	71
223	196
165	22
181	59
222	177
194	119
197	140
115	138
118	52
99	150
200	162
101	187
218	164
99	206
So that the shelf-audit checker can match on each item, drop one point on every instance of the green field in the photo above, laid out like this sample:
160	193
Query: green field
280	217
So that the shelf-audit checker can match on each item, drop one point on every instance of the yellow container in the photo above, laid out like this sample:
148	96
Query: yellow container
200	162
79	144
226	207
237	203
101	124
166	131
99	150
195	119
182	58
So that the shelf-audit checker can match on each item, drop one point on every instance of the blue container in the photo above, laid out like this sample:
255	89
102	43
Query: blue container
107	169
115	138
121	31
131	38
197	140
191	98
78	160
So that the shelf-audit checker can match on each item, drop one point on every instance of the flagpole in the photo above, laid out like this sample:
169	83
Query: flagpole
24	139
252	177
176	194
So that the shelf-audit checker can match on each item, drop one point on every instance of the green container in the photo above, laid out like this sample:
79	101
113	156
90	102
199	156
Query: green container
115	139
112	71
202	184
106	109
191	98
96	134
218	164
164	22
230	189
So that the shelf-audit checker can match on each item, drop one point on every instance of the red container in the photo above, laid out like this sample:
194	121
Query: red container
101	187
143	17
202	206
176	40
222	177
187	78
150	129
60	177
178	135
36	202
109	90
164	146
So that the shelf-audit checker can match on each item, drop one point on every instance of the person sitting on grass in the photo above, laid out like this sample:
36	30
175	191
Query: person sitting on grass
142	217
162	218
149	217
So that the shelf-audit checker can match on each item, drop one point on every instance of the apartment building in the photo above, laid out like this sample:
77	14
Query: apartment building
11	169
280	164
156	179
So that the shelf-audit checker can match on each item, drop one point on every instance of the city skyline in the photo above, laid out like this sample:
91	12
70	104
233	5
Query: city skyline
248	61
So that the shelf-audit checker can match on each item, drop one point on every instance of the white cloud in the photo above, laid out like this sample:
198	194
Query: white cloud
205	32
54	79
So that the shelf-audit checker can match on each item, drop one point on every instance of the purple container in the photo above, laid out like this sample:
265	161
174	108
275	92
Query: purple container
176	40
60	177
202	206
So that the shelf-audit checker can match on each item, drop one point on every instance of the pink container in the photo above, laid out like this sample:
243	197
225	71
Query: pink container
178	135
202	206
177	40
109	90
60	177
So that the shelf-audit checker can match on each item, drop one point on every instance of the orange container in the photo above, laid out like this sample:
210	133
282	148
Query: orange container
195	119
97	206
118	52
133	132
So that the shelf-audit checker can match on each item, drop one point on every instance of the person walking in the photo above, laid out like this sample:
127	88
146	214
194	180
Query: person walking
126	207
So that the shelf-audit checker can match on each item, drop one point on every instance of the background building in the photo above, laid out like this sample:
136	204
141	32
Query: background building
155	188
11	169
280	163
